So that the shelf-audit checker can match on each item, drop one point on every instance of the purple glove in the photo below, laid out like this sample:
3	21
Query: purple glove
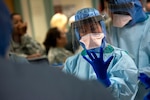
99	65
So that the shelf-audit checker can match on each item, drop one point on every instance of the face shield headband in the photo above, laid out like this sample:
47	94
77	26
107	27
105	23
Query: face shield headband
134	9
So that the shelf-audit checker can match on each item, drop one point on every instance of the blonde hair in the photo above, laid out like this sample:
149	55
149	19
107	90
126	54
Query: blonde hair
59	20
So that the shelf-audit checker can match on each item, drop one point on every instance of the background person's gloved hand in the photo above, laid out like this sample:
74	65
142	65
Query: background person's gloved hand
99	65
147	97
145	80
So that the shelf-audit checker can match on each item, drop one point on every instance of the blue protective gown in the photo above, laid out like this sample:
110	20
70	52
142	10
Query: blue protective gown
122	71
135	40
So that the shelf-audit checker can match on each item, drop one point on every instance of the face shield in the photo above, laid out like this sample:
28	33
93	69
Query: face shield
126	12
88	31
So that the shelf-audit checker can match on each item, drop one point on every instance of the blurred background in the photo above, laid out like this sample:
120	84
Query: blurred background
37	13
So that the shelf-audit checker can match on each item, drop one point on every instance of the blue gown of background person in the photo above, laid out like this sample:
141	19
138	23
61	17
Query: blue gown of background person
122	71
134	37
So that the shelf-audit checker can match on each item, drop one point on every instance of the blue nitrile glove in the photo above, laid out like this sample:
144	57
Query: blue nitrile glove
145	80
147	97
99	65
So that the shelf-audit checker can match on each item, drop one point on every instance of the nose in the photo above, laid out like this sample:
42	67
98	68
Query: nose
18	23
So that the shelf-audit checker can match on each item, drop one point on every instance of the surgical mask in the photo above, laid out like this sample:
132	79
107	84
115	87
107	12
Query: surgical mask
120	20
92	40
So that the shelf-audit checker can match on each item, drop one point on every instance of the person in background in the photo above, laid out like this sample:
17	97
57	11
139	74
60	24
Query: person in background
22	44
38	82
131	32
54	43
5	36
59	21
111	66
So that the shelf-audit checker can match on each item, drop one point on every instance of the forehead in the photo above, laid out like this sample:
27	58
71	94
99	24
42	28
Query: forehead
15	17
90	26
88	21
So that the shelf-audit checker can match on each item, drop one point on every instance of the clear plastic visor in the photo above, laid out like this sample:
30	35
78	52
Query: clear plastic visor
85	26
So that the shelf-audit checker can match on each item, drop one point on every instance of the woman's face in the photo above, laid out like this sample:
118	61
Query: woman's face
17	21
62	41
18	26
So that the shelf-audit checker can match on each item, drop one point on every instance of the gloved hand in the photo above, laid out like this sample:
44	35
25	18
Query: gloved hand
99	65
145	80
147	97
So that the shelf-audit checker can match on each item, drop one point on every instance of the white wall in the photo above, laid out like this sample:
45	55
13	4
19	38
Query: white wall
77	4
39	19
26	17
36	19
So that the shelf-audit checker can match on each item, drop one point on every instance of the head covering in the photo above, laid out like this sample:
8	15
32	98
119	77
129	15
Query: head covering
5	29
88	15
132	7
